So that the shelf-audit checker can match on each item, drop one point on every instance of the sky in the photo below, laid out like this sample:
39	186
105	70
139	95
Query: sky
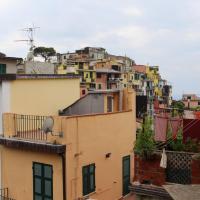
154	32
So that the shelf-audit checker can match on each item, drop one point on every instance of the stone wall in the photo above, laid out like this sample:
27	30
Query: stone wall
149	171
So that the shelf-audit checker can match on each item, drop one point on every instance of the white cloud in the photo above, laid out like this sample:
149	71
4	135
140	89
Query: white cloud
131	11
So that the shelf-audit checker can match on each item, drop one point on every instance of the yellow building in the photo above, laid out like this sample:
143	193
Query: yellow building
37	94
88	74
92	158
67	69
153	75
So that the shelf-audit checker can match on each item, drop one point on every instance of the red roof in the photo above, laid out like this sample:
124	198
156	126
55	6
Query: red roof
140	68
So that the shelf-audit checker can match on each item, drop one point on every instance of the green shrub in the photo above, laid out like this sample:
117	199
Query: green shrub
145	145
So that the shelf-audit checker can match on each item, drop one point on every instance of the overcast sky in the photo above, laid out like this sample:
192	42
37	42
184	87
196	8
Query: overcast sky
164	33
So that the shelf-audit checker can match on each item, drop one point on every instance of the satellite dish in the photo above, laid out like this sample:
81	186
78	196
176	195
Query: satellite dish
48	125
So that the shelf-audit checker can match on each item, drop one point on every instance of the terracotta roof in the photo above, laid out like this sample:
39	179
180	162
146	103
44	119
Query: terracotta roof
140	68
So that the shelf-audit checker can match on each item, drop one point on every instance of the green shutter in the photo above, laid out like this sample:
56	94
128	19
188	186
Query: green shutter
42	181
2	68
88	177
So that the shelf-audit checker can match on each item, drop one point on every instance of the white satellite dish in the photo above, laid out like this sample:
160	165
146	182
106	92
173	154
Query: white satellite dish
48	125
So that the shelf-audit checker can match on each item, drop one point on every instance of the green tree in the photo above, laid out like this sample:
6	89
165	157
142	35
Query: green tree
45	52
178	106
145	145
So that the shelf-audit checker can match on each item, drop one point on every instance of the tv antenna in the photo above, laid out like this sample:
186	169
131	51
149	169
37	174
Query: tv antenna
30	32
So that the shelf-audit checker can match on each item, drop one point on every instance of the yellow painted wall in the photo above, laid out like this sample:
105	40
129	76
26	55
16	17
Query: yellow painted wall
18	174
43	96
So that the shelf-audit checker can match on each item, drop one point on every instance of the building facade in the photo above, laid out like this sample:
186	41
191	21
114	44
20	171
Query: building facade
84	157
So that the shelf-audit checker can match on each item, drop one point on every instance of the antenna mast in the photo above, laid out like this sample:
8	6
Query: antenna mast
30	32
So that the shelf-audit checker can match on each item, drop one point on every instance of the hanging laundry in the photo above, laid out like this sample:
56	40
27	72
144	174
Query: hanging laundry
160	127
175	125
163	161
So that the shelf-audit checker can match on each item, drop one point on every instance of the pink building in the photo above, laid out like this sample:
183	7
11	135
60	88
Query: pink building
191	100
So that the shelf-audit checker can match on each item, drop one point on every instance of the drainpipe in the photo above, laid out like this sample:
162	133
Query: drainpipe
63	157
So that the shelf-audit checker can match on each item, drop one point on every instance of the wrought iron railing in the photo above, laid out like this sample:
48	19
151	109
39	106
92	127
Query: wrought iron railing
4	194
29	127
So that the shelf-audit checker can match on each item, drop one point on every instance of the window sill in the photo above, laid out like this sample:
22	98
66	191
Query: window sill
87	196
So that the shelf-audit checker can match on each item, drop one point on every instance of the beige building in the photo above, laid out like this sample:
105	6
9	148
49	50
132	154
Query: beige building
37	94
89	156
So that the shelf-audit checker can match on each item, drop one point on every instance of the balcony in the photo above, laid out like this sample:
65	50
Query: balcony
88	80
25	132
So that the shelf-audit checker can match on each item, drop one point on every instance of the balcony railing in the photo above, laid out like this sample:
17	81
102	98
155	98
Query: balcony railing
29	127
4	194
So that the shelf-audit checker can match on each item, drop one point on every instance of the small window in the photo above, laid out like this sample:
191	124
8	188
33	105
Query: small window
88	173
64	67
64	57
83	92
125	85
42	181
98	75
99	86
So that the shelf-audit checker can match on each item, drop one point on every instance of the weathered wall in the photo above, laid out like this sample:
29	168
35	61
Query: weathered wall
195	169
36	67
43	96
89	140
91	103
149	171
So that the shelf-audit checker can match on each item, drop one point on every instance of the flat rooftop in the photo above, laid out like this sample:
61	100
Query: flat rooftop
37	76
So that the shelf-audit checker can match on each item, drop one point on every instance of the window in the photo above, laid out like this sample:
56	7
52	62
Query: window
2	68
99	86
83	92
64	67
64	57
98	75
42	181
88	173
109	104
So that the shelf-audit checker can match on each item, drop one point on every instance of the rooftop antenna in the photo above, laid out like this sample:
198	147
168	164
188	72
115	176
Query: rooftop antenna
30	32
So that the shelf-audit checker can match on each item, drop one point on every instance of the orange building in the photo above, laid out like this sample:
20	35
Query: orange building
86	156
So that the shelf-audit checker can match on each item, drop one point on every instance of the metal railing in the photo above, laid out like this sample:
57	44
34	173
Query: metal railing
4	194
29	127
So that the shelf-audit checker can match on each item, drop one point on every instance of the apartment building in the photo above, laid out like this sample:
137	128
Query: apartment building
84	157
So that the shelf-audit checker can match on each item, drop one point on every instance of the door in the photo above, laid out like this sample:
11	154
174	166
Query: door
126	174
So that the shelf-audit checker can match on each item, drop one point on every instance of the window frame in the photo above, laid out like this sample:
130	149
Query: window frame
43	179
87	176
